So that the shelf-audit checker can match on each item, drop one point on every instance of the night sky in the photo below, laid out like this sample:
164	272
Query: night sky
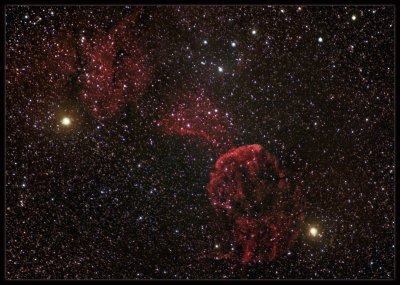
195	142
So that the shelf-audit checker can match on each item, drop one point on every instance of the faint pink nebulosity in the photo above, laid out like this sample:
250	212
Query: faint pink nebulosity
249	185
116	72
62	63
196	115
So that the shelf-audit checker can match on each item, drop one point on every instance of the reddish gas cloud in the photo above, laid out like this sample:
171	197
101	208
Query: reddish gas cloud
195	115
116	72
249	185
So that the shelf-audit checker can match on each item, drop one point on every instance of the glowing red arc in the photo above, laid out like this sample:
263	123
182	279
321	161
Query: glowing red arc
195	115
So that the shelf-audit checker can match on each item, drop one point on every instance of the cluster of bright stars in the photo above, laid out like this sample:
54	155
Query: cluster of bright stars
254	32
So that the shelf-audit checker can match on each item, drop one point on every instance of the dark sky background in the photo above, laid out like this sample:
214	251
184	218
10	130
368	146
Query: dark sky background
120	192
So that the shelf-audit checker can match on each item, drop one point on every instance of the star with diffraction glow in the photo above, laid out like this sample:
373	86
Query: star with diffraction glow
314	232
66	121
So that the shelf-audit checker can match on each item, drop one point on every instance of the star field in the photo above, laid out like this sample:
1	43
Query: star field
118	116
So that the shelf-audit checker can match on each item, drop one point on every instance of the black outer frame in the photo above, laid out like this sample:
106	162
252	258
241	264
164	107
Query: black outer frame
6	3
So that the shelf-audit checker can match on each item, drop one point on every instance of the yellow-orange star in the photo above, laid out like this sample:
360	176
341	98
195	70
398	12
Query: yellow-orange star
313	231
66	121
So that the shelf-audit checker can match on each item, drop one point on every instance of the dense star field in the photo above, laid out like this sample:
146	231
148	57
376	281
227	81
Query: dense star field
195	142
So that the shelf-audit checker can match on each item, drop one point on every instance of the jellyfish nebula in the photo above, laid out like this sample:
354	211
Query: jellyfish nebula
250	186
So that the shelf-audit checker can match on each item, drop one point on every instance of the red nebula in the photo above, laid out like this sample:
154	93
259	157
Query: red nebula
116	71
250	186
196	115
